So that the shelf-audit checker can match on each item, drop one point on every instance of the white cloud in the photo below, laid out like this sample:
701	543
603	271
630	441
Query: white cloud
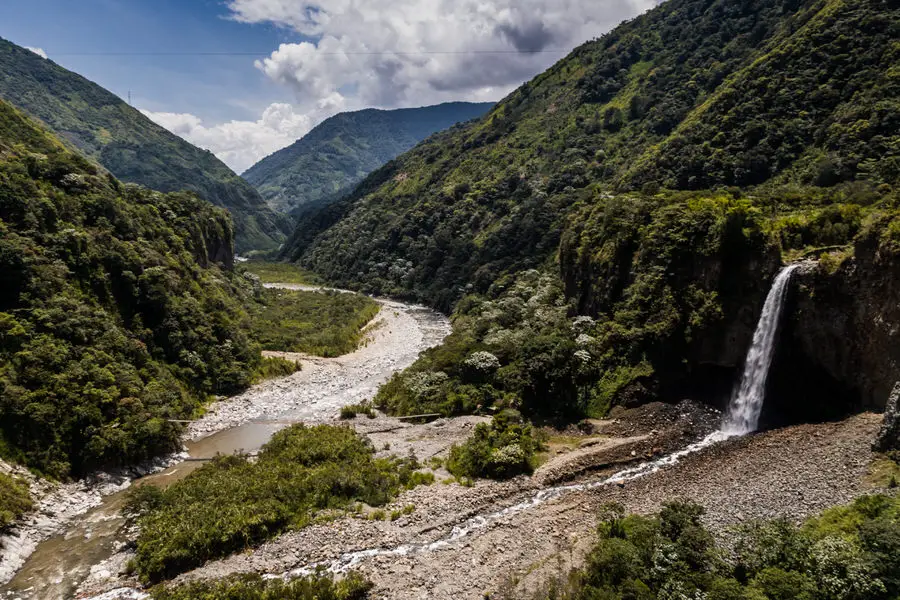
240	144
39	51
395	53
392	53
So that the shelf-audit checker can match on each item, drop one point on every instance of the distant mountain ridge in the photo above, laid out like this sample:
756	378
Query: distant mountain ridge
131	146
692	95
345	148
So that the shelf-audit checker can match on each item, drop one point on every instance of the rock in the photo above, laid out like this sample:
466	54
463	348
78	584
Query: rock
889	436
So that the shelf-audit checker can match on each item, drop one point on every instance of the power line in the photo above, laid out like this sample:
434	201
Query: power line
382	53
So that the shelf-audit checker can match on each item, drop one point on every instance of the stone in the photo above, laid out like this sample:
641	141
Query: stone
889	436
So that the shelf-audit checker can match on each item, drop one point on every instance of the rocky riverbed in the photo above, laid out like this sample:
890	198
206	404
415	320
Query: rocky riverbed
491	537
317	392
394	339
57	505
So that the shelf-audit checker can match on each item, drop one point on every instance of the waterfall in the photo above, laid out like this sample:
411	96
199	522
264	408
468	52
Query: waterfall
747	398
742	418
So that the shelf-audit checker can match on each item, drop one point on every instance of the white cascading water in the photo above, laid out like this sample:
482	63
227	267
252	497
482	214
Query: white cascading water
742	418
747	399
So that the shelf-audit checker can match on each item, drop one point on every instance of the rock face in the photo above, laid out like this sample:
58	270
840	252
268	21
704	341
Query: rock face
889	436
840	344
603	262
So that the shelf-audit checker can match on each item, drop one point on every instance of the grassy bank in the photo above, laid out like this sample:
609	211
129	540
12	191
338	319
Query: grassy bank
254	587
272	367
15	499
320	323
272	272
234	503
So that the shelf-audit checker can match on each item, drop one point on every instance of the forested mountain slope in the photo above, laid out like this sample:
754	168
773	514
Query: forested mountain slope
113	315
607	233
694	94
342	150
131	146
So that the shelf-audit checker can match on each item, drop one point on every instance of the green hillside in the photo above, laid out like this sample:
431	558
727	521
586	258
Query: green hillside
692	95
131	146
342	150
113	315
607	233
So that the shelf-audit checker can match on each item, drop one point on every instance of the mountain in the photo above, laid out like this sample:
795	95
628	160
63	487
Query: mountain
695	94
342	150
117	309
131	146
608	232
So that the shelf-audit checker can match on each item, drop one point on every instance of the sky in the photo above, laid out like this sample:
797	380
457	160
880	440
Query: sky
244	78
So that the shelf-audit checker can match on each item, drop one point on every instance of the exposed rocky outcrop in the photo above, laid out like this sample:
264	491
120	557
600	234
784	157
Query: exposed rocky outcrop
889	436
840	343
211	240
618	250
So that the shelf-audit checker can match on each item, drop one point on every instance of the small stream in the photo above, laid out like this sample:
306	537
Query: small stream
60	563
244	423
742	418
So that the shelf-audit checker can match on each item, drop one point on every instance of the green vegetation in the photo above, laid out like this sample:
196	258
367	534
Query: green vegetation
850	552
647	287
505	448
342	150
271	367
131	146
113	319
693	94
321	323
350	411
884	472
233	503
406	510
254	587
15	499
273	272
568	231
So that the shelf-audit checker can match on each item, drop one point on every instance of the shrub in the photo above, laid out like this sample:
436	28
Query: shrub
504	448
15	499
778	584
351	410
254	587
848	553
232	503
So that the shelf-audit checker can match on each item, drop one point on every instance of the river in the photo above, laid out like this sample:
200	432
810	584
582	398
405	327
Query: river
242	423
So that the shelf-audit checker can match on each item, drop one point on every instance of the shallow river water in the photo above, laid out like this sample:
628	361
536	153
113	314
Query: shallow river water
243	423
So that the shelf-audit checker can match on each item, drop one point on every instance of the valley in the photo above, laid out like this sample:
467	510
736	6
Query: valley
523	532
493	538
630	331
239	424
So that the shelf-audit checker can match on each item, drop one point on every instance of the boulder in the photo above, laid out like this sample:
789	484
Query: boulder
889	436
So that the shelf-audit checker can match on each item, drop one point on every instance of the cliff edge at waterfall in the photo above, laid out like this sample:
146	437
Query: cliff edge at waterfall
570	232
840	351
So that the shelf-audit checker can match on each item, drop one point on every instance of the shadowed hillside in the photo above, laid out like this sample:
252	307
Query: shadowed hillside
131	146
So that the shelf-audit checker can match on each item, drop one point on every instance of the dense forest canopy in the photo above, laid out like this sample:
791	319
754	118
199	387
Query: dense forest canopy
339	152
694	94
607	231
131	146
113	315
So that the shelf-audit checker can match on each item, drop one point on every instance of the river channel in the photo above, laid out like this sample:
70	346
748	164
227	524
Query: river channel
243	423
